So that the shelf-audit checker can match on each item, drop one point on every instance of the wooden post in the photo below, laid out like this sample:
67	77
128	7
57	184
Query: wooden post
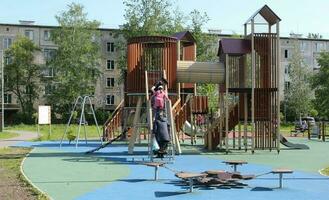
226	100
149	115
245	125
323	132
178	50
278	83
221	113
252	87
135	133
245	29
308	130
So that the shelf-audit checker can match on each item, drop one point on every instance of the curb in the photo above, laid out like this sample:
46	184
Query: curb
28	180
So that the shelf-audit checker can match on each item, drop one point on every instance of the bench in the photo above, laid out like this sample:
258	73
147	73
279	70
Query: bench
297	131
235	163
156	166
189	176
281	171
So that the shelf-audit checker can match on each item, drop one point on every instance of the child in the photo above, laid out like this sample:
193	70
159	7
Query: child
159	98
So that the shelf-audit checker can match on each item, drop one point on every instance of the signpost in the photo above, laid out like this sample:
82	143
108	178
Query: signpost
44	118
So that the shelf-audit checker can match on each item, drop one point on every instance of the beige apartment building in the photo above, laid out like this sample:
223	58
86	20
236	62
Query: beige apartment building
108	92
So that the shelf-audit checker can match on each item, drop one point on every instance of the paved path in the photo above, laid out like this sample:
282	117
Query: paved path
23	136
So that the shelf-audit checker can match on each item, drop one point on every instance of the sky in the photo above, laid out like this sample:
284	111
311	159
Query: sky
298	16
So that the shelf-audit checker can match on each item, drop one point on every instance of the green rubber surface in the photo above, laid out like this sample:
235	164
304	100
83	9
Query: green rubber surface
311	160
65	175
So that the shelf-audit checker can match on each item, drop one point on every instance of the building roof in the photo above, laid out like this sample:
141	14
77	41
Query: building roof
234	46
184	35
267	13
49	26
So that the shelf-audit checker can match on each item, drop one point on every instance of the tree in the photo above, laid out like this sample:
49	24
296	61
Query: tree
320	82
76	61
298	93
206	43
22	74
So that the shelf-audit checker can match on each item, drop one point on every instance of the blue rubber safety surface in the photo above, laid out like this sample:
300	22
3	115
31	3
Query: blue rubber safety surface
140	185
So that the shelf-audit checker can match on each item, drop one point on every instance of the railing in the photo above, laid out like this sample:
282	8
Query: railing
113	123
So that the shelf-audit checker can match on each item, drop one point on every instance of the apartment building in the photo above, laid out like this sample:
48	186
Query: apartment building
108	92
309	48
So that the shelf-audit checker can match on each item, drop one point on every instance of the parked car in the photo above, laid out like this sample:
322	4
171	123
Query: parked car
309	120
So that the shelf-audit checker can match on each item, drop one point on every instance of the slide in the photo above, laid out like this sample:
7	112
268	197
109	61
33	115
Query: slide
290	145
189	130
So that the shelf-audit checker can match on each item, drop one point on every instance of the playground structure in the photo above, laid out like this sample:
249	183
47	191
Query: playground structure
247	74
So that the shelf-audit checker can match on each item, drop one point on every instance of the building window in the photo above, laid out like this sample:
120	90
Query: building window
286	85
29	34
303	46
110	47
318	47
46	35
7	43
48	72
49	54
286	53
7	98
110	82
49	88
109	99
8	60
28	90
287	69
110	64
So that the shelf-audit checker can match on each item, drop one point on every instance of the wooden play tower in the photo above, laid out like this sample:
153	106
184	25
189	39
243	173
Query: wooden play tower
248	78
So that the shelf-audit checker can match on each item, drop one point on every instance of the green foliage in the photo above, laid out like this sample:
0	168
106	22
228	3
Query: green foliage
320	82
70	136
76	61
206	43
22	74
299	94
210	90
150	17
313	113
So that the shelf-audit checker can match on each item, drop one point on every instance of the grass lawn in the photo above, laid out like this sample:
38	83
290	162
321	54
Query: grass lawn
57	131
13	184
5	135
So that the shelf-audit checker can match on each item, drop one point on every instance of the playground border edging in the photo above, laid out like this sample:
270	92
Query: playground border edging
28	180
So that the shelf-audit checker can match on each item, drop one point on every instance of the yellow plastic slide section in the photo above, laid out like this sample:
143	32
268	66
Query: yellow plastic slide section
200	72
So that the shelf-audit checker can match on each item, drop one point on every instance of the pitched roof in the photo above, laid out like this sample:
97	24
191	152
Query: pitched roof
184	35
267	13
234	46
